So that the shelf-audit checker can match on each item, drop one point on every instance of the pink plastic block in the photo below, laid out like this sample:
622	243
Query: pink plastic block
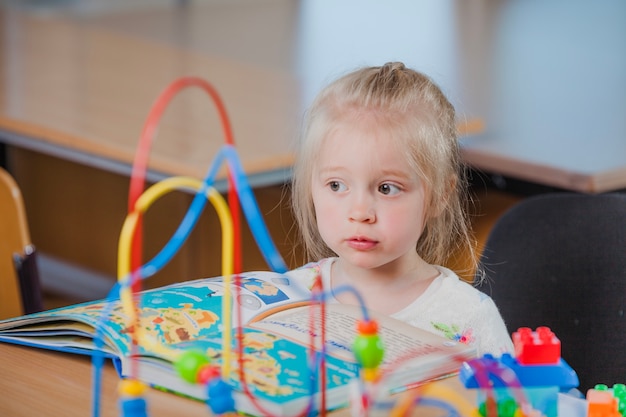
538	347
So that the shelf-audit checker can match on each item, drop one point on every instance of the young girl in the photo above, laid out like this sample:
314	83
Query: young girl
377	190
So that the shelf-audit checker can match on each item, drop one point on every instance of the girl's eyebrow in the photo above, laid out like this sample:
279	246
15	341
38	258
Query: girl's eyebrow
396	173
330	169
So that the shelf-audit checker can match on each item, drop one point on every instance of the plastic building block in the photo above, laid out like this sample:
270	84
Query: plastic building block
601	404
540	383
538	347
560	374
605	402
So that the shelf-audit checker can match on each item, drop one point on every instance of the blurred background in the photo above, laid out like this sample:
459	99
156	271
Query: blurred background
539	87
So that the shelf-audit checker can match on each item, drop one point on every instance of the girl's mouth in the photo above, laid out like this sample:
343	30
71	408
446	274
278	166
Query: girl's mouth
361	243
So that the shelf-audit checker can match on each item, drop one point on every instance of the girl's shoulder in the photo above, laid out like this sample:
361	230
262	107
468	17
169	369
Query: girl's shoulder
451	279
453	286
308	273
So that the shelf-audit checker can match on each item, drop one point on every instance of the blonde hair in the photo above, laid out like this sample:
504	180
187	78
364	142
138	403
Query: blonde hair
421	119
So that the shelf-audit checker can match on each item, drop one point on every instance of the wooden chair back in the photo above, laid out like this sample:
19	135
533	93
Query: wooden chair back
14	239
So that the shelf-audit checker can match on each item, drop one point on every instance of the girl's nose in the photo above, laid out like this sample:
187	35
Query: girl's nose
362	210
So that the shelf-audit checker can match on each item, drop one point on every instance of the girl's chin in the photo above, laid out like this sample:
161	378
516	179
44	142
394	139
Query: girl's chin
371	260
362	260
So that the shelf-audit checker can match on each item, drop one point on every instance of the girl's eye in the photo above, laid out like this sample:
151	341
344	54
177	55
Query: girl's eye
336	186
388	189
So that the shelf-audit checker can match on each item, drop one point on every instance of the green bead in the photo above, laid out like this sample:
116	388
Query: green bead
601	387
482	409
507	408
189	363
369	350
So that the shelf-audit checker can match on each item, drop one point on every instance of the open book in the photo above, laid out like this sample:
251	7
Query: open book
280	325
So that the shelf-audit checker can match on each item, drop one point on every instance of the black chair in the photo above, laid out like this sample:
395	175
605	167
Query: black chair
559	260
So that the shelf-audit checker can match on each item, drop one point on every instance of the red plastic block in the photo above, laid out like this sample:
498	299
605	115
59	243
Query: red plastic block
536	348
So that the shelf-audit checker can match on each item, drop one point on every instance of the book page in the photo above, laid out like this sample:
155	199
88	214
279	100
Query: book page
401	341
172	314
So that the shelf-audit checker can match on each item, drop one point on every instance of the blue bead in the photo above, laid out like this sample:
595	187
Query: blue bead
220	397
133	407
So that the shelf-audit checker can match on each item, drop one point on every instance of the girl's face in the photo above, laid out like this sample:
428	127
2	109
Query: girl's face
369	203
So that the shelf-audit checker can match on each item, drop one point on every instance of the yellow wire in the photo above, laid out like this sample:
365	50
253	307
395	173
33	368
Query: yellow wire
436	390
124	248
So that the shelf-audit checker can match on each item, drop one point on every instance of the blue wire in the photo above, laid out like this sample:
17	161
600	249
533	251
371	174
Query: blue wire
433	402
97	362
253	216
248	204
314	365
186	225
253	213
353	291
97	357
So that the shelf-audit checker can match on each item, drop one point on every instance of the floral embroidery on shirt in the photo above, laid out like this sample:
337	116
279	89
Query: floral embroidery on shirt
314	269
453	332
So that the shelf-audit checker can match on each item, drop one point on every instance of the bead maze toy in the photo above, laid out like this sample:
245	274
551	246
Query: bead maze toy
195	367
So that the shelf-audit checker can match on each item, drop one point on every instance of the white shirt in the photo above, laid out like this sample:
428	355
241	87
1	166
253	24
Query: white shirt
449	307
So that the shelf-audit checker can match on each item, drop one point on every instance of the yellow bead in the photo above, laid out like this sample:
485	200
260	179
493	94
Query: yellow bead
370	375
131	388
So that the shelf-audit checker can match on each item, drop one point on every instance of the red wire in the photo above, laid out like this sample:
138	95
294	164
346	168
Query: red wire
138	174
140	164
137	185
245	387
319	287
233	202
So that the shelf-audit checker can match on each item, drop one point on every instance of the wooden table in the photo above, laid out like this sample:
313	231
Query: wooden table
44	383
544	123
593	166
36	382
